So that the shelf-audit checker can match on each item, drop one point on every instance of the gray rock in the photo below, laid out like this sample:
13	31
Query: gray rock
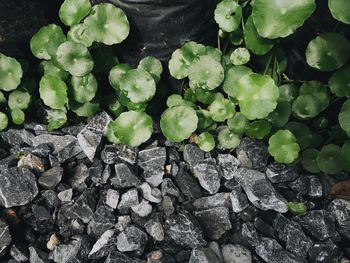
78	175
95	172
208	176
169	188
192	154
51	178
73	129
297	242
158	256
184	230
32	162
37	256
213	245
249	234
109	154
168	205
252	154
212	201
5	237
129	199
19	253
204	255
271	251
143	209
326	252
17	138
228	164
214	221
103	245
118	257
64	147
124	177
152	161
236	254
264	228
103	220
187	184
155	229
299	186
131	239
150	193
239	201
122	223
279	223
340	209
319	224
66	195
112	154
75	251
112	198
17	187
90	137
314	187
260	191
278	173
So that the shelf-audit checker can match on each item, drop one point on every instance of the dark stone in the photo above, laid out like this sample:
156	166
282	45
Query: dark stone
248	214
184	230
214	221
50	199
155	229
150	193
169	188
297	242
95	172
124	177
326	252
314	189
159	256
5	237
37	256
78	175
104	245
208	176
152	161
103	220
33	163
90	137
129	199
40	219
260	191
17	138
118	257
300	186
112	154
19	253
131	239
200	255
51	178
236	254
187	184
249	234
17	187
239	201
252	154
212	201
112	198
340	209
278	173
264	228
192	154
227	164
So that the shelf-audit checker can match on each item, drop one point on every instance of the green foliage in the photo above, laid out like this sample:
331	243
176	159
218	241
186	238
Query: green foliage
228	15
19	100
10	73
53	92
153	66
328	159
17	116
240	56
84	88
205	141
344	117
228	139
283	147
297	209
3	121
73	11
340	10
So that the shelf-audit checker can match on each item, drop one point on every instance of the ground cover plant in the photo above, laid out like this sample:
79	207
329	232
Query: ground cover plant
248	85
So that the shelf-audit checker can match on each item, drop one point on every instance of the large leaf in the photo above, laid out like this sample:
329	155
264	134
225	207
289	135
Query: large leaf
340	10
53	91
10	73
328	51
73	11
280	18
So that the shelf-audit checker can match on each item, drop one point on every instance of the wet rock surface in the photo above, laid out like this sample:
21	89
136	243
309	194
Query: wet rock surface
71	197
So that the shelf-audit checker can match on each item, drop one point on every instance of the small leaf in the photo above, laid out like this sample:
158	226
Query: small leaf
258	129
46	41
10	73
83	88
228	15
3	121
328	51
53	92
74	58
328	160
204	119
228	139
340	10
73	11
153	66
306	107
132	128
297	209
339	83
308	160
221	110
17	116
19	100
116	73
238	123
283	147
344	117
240	56
178	123
206	141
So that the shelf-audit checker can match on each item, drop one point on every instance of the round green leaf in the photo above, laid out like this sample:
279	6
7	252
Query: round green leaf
258	129
275	18
206	73
10	73
283	147
107	24
206	142
177	100
46	41
328	160
153	66
116	73
238	123
228	15
253	41
53	92
73	11
340	10
227	139
344	117
178	123
137	85
17	116
345	156
83	88
308	160
232	76
257	95
19	100
204	119
85	110
133	128
3	121
301	132
288	92
280	116
328	51
306	107
79	34
182	59
318	91
339	83
49	68
205	96
298	209
221	110
240	56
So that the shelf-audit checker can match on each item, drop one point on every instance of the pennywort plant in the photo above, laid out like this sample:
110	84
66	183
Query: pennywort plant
243	88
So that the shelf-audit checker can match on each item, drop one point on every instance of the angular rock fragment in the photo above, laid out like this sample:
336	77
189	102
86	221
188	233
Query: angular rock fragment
188	185
90	137
37	256
124	177
151	194
212	201
155	229
129	199
103	245
249	234
78	176
143	209
297	242
326	252
239	201
103	220
152	161
228	164
192	154
131	239
17	187
236	254
208	176
260	191
215	221
278	173
112	198
51	178
252	154
169	188
17	137
95	172
118	257
32	163
314	187
19	253
204	255
5	237
66	195
340	209
184	230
